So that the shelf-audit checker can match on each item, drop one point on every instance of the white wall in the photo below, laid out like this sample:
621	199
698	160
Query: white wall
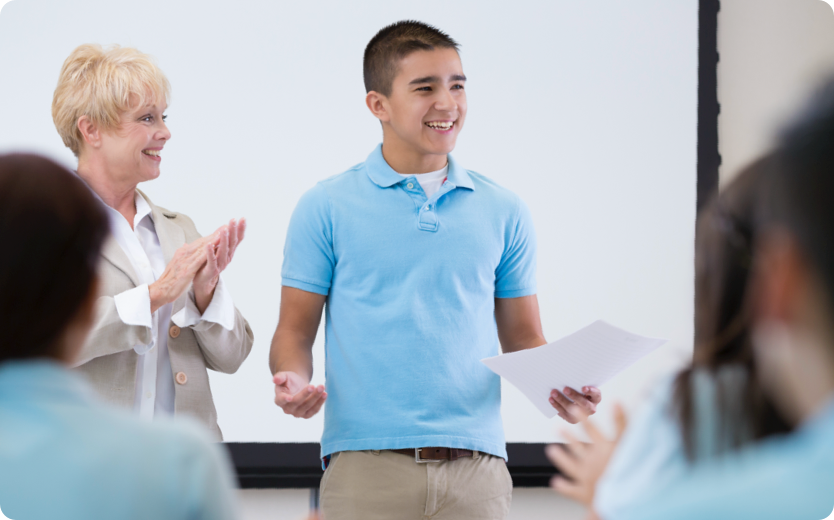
773	52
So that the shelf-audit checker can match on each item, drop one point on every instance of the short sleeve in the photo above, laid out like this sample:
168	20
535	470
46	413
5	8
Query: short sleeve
516	273
308	251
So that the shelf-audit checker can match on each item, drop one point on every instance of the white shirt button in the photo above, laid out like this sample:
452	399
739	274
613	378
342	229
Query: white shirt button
410	185
148	395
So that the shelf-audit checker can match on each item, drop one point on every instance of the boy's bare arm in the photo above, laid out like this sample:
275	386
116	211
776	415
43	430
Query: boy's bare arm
291	353
519	324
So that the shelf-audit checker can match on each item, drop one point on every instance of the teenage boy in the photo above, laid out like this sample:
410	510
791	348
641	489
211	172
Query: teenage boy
792	308
424	267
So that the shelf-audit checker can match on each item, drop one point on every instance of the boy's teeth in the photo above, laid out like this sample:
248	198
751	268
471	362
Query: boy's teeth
445	125
155	153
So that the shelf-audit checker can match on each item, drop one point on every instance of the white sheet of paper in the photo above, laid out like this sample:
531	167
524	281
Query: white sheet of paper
588	357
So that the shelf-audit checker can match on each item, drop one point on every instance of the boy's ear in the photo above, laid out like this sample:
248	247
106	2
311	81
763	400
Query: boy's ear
89	131
378	105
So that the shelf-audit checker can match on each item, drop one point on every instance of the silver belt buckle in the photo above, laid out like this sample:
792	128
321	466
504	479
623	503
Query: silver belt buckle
419	460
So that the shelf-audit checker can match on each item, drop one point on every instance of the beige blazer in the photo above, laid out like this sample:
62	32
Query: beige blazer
108	359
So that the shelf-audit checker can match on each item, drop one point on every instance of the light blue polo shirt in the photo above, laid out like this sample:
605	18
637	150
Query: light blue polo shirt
410	285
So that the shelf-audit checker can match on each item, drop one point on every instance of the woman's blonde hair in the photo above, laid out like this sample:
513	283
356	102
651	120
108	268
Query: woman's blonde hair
102	84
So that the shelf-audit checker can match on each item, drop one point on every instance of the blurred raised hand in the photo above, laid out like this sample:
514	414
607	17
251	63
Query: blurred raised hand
582	464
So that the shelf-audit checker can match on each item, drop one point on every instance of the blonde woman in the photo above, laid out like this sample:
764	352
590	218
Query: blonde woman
163	315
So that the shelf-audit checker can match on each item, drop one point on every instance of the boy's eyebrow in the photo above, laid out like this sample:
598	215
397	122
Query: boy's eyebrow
427	79
435	79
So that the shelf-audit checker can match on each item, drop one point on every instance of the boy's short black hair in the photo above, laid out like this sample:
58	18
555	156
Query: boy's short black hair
395	42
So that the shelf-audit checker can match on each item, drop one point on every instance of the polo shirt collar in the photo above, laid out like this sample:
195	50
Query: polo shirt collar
384	176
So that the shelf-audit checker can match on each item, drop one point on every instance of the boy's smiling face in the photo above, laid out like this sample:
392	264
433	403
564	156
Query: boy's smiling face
426	108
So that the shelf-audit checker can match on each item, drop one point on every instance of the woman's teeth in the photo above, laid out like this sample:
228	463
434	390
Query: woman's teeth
440	125
153	153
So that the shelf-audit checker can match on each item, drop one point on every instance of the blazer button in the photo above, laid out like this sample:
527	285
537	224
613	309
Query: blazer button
174	331
181	378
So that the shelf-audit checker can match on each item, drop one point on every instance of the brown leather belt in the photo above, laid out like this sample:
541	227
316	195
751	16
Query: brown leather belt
434	454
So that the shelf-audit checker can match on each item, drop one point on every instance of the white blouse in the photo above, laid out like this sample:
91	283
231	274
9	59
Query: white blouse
154	393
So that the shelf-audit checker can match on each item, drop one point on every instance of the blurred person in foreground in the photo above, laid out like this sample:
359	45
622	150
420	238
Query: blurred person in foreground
163	315
790	301
62	453
715	406
792	307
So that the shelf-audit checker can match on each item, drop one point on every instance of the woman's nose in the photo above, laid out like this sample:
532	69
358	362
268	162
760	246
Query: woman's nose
163	134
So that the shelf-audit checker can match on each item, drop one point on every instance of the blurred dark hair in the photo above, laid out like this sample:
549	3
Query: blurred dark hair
801	191
723	258
52	229
393	43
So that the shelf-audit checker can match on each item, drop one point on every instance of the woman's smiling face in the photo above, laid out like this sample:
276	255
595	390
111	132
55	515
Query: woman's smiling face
133	151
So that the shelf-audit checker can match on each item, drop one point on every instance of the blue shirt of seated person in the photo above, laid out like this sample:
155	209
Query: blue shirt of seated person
784	477
66	455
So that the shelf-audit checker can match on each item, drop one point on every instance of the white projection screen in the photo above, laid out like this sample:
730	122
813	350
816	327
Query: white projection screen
587	110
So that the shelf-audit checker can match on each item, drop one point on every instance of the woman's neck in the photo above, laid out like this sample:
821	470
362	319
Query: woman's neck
118	195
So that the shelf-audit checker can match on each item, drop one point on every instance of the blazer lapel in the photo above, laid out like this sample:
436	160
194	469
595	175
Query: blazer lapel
114	254
171	236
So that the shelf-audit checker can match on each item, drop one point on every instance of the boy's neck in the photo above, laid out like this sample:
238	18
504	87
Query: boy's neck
405	159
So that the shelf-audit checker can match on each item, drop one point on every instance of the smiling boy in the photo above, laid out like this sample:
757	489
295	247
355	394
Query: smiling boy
424	267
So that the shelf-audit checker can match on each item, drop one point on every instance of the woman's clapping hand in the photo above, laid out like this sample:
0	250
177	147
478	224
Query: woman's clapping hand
218	254
200	263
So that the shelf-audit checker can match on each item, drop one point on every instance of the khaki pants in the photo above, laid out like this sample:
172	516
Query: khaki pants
370	485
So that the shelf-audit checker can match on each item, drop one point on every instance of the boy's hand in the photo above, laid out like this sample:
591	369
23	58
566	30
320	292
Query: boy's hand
586	402
296	397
